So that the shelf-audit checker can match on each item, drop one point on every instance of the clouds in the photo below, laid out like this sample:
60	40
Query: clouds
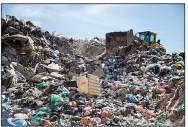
87	13
97	9
89	20
66	17
37	23
28	10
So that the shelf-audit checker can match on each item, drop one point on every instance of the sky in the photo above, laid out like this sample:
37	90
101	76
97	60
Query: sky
89	20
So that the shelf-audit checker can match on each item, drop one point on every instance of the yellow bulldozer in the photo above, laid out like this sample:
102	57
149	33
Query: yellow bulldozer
127	42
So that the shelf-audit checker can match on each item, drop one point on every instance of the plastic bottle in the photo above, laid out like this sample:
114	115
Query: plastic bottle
180	108
64	93
42	109
65	90
6	100
133	83
65	99
55	98
36	120
4	107
180	58
42	85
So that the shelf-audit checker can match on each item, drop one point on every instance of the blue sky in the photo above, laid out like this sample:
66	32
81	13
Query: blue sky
89	20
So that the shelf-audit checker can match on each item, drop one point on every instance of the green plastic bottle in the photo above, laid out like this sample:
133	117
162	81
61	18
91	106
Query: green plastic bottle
133	83
66	99
6	100
42	85
36	120
64	93
4	107
179	108
42	109
62	87
180	58
55	98
63	96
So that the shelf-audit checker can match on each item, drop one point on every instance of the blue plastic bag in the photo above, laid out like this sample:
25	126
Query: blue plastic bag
21	123
56	58
8	122
132	99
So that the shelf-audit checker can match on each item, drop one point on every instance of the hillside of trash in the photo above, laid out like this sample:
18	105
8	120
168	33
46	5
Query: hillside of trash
53	80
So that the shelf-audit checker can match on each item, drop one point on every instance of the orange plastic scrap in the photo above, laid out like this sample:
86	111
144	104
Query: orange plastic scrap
160	90
73	104
144	110
150	114
47	123
106	114
139	108
147	113
153	114
84	121
88	121
106	120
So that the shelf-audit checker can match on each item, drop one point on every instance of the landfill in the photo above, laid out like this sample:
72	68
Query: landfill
53	80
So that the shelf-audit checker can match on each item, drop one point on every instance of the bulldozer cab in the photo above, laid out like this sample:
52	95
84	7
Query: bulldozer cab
147	37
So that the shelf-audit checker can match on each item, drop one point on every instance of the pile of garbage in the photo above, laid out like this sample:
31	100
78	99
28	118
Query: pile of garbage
48	80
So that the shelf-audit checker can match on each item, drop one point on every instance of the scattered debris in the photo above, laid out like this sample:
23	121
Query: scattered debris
52	80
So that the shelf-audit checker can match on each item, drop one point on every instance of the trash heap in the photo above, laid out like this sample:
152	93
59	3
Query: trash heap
42	82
